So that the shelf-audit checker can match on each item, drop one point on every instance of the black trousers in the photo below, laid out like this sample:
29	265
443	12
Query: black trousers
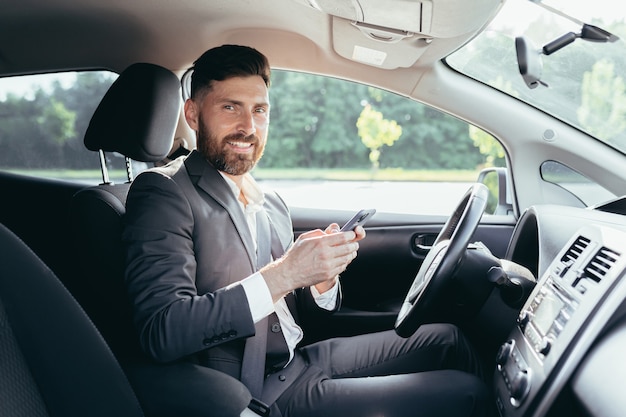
433	373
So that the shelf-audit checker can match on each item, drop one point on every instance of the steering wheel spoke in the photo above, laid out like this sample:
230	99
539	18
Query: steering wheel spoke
442	260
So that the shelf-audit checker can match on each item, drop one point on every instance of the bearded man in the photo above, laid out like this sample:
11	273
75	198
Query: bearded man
215	276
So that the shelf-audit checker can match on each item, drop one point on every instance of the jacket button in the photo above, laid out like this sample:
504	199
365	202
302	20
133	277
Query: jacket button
275	327
206	342
282	377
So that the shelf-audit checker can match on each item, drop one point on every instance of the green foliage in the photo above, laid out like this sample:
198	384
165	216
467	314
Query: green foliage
59	122
488	146
585	79
313	122
45	129
376	132
313	125
603	108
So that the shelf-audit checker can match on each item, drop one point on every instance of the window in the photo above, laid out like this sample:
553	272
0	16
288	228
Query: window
43	119
585	80
332	143
581	187
357	147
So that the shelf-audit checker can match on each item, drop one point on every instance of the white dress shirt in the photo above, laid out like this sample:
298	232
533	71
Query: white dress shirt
257	292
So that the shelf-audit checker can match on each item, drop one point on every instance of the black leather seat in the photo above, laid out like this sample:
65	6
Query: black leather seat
136	118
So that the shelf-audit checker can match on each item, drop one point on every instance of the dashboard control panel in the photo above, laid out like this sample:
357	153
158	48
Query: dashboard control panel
581	289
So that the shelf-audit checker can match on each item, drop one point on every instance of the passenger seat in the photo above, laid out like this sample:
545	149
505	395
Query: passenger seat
53	362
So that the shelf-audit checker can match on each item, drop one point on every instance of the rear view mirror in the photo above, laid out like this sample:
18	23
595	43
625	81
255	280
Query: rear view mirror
529	59
529	62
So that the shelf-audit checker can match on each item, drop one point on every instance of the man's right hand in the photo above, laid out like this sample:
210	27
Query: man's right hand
315	257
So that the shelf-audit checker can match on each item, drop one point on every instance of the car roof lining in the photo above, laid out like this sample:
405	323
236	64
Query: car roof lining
122	33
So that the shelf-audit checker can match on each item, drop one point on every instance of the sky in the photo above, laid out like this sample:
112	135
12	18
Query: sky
23	85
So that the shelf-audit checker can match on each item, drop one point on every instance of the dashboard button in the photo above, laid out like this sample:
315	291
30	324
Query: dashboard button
504	353
524	319
545	347
519	387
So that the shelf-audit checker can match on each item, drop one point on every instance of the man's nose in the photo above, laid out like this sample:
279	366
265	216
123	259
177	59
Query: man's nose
247	125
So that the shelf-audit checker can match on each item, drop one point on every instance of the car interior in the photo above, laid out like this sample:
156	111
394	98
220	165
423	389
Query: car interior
537	284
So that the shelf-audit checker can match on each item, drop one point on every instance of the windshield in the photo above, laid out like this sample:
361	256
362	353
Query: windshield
583	83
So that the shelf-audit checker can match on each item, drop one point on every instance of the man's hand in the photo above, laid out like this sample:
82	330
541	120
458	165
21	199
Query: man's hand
324	286
315	258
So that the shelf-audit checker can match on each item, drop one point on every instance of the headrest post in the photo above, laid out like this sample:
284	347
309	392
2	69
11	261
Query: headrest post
103	168
129	169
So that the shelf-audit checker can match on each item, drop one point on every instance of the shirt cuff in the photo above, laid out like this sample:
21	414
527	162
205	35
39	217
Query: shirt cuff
259	296
327	300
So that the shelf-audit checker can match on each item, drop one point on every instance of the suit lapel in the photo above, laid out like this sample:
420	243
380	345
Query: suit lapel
206	178
280	224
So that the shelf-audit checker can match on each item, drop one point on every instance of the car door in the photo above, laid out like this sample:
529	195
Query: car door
376	282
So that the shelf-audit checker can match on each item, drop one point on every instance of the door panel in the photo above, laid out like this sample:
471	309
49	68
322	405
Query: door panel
376	282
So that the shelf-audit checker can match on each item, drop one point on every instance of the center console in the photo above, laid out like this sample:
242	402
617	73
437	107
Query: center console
574	298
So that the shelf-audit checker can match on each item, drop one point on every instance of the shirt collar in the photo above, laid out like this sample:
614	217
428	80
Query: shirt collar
250	189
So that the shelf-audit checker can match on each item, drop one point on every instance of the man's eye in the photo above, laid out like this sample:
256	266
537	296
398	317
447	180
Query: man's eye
229	107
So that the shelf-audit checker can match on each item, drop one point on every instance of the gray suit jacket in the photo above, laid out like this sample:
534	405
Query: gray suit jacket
186	240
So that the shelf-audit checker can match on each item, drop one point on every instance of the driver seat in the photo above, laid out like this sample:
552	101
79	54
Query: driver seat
136	118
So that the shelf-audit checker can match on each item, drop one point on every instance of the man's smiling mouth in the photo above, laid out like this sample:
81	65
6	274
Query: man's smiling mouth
241	145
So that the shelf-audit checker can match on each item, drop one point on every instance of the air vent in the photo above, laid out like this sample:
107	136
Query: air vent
600	264
575	250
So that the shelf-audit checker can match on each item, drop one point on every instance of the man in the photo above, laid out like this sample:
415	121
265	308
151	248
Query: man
215	277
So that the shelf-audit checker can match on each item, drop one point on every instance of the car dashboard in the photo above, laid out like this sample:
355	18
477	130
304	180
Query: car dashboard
571	328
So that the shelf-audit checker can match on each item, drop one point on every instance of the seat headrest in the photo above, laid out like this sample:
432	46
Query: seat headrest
137	116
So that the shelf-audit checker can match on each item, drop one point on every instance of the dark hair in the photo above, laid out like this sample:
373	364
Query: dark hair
226	61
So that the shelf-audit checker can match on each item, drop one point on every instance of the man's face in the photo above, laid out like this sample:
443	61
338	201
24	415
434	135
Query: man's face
231	121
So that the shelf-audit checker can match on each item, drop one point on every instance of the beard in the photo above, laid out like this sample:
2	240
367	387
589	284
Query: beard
217	151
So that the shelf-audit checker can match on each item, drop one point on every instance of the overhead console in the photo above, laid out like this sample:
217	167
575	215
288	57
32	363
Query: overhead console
572	301
396	33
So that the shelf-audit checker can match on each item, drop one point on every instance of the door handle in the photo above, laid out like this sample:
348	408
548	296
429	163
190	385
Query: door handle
423	242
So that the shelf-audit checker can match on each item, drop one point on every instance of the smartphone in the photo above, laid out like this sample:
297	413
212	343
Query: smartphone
358	219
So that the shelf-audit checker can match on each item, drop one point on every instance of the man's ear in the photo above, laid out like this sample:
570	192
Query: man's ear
191	114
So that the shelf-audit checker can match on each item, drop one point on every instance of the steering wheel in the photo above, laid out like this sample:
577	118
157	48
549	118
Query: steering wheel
439	266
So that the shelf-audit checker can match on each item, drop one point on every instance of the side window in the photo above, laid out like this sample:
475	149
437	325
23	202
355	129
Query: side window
43	119
338	144
588	192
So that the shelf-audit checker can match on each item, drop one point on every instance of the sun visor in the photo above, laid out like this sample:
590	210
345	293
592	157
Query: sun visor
412	16
433	18
395	33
